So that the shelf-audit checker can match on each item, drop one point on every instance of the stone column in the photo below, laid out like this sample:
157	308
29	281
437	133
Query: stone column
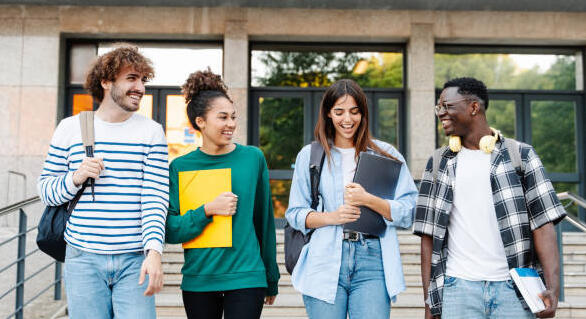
236	73
28	95
420	97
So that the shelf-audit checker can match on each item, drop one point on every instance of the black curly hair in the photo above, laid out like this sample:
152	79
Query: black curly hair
200	89
470	86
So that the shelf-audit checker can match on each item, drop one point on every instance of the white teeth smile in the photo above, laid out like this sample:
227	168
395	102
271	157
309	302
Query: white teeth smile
347	126
227	132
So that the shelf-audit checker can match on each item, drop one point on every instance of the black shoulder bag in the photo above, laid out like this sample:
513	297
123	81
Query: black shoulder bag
50	236
295	239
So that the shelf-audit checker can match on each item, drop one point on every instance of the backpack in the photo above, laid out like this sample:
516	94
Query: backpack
51	229
295	239
511	145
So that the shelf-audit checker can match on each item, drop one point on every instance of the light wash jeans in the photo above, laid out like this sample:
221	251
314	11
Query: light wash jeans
361	286
106	286
481	299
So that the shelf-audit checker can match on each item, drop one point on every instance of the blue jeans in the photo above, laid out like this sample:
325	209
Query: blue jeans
106	286
481	299
361	286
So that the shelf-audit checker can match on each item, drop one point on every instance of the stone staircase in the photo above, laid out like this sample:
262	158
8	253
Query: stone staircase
289	303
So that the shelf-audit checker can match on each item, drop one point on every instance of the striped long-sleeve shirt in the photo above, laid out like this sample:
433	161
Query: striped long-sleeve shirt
131	195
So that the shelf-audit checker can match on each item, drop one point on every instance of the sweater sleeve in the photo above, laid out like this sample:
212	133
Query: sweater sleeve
55	184
181	229
264	225
155	193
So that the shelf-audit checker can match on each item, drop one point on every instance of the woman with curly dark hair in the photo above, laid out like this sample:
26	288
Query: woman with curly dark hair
230	279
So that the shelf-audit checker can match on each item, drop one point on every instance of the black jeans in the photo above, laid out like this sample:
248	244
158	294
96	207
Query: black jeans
234	304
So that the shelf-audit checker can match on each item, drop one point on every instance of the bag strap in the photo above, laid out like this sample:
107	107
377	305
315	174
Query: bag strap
316	161
86	123
512	147
437	157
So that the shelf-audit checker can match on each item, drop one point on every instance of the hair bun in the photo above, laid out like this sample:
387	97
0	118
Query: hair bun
200	81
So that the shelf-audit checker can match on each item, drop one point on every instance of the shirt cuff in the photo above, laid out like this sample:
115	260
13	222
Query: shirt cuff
198	216
272	288
70	185
300	218
154	245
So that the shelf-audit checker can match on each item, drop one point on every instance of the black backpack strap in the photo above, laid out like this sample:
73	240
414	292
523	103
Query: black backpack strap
316	161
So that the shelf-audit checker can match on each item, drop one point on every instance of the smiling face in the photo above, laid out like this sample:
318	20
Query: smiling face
456	117
127	90
219	123
346	118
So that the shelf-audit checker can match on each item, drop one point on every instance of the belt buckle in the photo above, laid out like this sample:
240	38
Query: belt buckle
353	236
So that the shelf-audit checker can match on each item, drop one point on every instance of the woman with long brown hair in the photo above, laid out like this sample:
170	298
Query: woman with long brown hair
342	272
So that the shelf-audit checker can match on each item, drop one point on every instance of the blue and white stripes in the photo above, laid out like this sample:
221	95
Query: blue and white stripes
131	195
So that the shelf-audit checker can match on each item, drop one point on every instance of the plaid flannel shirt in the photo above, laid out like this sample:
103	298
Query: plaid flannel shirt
522	204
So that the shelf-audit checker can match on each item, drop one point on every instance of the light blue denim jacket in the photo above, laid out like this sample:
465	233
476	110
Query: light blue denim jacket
317	270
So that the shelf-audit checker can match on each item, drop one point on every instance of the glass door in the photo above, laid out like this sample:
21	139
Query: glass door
281	122
182	138
556	134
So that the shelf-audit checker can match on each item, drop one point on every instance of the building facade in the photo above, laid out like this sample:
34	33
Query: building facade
44	50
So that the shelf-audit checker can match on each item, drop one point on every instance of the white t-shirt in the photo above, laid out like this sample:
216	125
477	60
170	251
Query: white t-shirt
475	247
348	163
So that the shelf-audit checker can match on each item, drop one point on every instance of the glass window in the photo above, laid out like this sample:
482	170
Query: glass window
174	62
280	191
511	71
321	69
182	138
146	106
81	57
388	120
501	115
281	130
82	102
553	130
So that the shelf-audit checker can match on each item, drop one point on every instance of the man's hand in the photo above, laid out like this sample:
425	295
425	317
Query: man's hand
152	266
551	303
89	167
428	313
269	300
546	246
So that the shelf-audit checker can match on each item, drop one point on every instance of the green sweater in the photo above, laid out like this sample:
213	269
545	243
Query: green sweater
251	261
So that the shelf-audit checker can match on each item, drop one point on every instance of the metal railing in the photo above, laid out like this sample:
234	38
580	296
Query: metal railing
573	200
22	255
21	236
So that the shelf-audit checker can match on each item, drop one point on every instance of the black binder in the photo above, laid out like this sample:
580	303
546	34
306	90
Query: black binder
378	175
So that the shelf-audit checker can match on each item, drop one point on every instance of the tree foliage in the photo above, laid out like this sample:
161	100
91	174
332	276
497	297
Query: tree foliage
281	119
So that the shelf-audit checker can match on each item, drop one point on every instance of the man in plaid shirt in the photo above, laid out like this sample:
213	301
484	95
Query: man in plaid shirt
478	217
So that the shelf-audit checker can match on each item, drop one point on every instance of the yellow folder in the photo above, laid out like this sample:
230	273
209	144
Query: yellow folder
197	188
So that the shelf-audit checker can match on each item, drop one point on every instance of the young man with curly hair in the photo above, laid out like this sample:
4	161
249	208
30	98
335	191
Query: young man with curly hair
116	232
479	215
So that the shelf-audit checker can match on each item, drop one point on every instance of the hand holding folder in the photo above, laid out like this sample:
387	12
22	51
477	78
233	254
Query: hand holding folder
197	188
378	175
